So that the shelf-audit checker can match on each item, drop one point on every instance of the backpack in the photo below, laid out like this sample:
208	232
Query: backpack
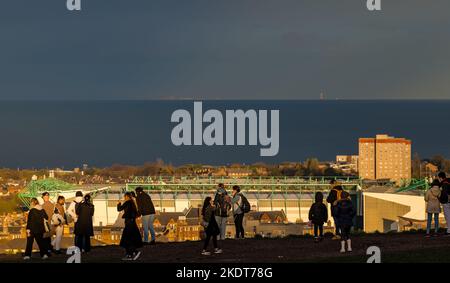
443	197
245	206
223	205
338	194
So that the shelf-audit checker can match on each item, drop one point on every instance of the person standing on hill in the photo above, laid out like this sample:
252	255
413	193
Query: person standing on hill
72	213
344	213
333	197
222	208
238	213
445	186
58	221
210	226
84	228
147	210
49	208
131	236
71	209
35	230
433	206
318	215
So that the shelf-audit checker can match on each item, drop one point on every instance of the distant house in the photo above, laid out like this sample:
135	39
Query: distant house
205	170
266	224
287	165
431	169
163	219
219	172
110	235
267	216
239	172
179	227
261	171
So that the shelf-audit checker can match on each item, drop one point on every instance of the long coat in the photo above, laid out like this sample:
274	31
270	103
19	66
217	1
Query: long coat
84	225
131	236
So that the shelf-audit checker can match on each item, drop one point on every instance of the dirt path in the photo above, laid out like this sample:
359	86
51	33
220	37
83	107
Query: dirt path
261	250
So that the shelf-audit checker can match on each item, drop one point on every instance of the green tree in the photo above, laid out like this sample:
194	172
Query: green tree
312	167
439	161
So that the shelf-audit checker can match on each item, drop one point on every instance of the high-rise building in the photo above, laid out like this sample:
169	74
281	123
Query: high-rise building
384	157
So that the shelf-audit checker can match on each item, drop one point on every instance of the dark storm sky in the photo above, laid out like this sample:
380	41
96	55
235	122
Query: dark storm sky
224	49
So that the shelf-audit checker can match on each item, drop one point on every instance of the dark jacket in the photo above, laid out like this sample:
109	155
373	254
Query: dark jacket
345	212
318	213
35	221
129	209
445	186
84	225
144	204
332	197
208	217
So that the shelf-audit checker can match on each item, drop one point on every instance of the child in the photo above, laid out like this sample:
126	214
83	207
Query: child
345	212
210	225
433	206
318	215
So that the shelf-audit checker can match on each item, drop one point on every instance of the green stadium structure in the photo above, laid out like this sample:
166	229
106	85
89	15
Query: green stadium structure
254	184
294	194
37	187
55	188
414	184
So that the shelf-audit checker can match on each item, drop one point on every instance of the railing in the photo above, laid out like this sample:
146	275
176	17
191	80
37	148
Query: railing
272	185
414	184
160	180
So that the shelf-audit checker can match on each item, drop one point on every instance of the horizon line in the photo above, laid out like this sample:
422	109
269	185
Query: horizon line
226	99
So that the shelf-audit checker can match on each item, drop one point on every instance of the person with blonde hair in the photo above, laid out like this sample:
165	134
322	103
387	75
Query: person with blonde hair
58	220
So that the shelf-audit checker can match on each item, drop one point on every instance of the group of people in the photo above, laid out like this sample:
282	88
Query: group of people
136	204
342	211
45	223
215	212
435	197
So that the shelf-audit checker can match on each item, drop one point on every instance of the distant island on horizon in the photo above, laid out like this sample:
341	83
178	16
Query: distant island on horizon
69	133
